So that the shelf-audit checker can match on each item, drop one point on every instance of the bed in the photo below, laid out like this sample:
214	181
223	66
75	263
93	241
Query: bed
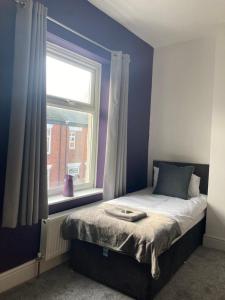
123	272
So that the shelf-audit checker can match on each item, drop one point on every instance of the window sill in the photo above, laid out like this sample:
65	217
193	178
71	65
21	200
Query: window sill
77	195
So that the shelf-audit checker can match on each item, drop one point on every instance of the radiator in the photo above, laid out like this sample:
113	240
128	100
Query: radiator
52	244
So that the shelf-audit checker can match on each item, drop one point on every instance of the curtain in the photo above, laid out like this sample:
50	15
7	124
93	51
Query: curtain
25	197
115	171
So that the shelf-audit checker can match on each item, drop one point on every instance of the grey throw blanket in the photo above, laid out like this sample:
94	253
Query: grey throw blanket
144	240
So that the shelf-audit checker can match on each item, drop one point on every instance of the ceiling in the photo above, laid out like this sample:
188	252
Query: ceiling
165	22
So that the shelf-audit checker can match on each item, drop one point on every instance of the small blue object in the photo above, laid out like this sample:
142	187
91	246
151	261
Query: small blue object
105	252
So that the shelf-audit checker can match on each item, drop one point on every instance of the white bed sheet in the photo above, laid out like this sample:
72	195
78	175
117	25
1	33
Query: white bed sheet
186	212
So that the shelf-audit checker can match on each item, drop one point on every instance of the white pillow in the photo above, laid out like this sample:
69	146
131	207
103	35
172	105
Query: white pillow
193	189
155	177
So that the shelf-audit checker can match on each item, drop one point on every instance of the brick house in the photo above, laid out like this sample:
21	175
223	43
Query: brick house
67	139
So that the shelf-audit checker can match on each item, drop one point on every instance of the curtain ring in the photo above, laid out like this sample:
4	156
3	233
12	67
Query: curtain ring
22	3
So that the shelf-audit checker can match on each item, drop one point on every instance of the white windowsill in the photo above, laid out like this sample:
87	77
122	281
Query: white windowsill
54	199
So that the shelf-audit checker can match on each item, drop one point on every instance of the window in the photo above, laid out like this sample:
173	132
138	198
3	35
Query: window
72	111
62	74
49	135
74	169
72	136
72	140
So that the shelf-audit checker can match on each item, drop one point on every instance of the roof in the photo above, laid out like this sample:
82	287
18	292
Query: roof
67	117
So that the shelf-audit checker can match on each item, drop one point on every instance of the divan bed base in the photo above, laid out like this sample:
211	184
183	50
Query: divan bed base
124	273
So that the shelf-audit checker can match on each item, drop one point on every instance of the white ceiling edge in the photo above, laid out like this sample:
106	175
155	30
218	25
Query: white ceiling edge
118	20
175	27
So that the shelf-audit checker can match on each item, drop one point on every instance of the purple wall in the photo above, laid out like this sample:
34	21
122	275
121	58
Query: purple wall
111	34
20	245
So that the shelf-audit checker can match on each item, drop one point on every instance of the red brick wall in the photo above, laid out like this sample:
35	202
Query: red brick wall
61	155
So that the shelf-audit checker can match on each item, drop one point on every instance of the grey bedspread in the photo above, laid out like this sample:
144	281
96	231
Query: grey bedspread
144	240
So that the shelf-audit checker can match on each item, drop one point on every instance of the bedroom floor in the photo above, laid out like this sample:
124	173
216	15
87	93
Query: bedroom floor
201	277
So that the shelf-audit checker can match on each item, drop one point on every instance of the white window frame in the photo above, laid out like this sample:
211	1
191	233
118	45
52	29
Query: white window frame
49	138
91	108
72	139
48	175
72	136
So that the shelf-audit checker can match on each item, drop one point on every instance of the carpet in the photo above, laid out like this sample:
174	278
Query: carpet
201	277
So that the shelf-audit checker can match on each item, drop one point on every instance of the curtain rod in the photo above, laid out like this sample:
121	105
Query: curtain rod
24	2
79	34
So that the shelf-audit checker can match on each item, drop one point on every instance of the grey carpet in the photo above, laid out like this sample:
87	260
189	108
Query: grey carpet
201	277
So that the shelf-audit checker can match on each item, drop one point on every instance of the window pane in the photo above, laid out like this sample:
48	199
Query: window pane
68	81
70	147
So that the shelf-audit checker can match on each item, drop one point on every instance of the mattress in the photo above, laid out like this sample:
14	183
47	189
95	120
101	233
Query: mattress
186	212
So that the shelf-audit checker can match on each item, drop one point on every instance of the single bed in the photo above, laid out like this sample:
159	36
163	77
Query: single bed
124	273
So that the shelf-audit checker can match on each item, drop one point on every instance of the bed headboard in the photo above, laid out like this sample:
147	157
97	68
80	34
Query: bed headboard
201	170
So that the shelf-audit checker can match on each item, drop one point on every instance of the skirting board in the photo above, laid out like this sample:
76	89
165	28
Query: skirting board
213	242
18	275
28	271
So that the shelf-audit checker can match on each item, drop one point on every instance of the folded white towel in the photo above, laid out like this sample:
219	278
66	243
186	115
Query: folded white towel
125	213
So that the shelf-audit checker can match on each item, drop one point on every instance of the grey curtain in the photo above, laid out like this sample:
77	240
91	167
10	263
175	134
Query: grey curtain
115	172
25	198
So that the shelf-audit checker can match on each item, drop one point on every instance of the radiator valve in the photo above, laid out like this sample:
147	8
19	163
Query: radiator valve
39	256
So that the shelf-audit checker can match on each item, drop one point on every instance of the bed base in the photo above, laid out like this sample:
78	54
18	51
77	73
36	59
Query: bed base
125	274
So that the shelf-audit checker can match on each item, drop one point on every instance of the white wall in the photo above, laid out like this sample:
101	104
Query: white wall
181	105
188	117
215	229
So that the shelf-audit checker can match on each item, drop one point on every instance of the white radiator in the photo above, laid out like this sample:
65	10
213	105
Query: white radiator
52	243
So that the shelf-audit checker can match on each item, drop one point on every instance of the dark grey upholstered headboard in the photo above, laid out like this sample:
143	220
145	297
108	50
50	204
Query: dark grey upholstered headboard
201	170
